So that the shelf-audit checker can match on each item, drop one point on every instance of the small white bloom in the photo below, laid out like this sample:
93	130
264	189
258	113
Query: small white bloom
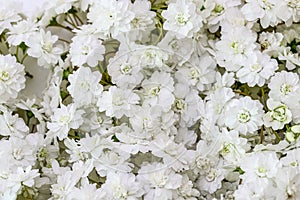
21	32
259	165
41	46
158	90
86	49
111	17
181	19
293	103
9	14
117	102
12	78
233	148
84	86
122	186
270	12
158	180
270	42
200	73
124	71
259	69
283	84
235	48
150	56
215	104
278	116
64	119
12	125
188	104
218	12
244	115
143	21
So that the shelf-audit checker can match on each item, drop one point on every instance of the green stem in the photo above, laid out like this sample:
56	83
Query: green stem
64	27
17	53
261	135
77	17
22	60
278	138
63	40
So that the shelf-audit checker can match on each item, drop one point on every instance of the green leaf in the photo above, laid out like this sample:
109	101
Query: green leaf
239	170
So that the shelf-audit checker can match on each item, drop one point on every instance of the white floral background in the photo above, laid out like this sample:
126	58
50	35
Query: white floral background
149	99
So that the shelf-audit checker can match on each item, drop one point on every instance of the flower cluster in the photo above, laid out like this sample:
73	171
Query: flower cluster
150	99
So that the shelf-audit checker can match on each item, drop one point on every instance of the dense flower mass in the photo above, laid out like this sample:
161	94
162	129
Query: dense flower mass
150	99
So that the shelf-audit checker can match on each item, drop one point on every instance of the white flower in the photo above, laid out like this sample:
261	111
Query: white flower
293	103
292	59
86	49
86	191
24	177
9	14
270	42
124	71
259	69
278	116
288	183
293	6
251	191
111	17
181	19
94	121
215	104
64	118
188	104
158	90
292	158
174	155
12	125
186	190
235	48
179	49
122	186
18	152
218	11
64	185
147	121
270	12
143	21
84	86
158	181
12	78
233	17
21	32
259	165
233	148
111	159
282	85
60	6
207	167
117	102
244	115
200	73
150	56
41	46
